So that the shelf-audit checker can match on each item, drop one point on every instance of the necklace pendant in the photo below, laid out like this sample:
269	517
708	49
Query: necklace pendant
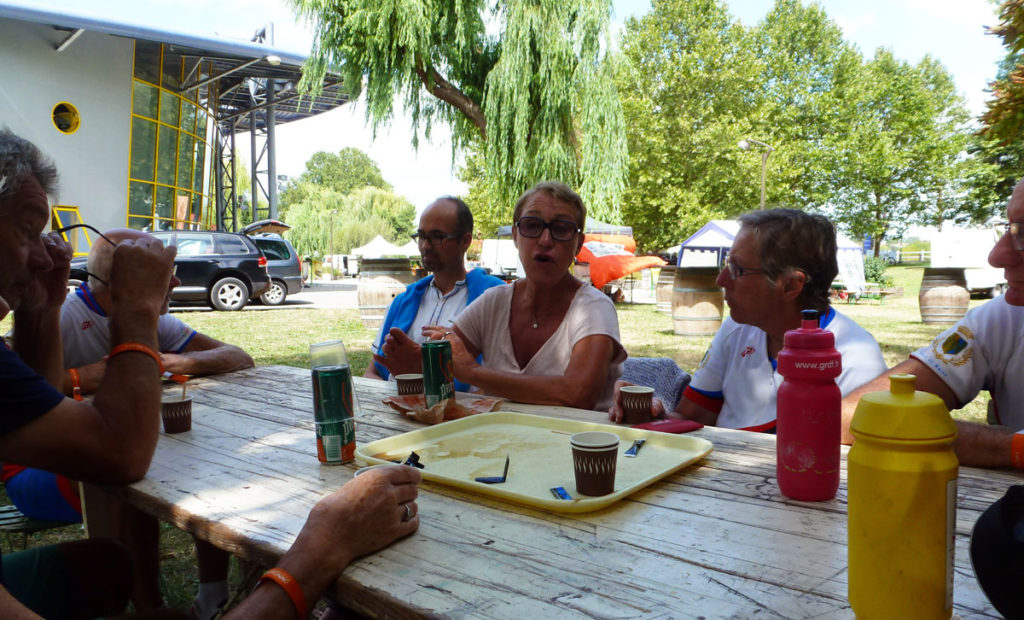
535	324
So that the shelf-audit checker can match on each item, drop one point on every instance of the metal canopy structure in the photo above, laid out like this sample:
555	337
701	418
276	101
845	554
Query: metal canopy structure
246	86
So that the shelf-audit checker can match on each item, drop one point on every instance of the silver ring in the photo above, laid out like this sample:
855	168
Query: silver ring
408	513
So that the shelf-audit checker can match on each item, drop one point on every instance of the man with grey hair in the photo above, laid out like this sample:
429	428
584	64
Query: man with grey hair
782	261
86	337
109	440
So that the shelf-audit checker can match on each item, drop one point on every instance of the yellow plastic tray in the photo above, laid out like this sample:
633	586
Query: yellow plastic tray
456	452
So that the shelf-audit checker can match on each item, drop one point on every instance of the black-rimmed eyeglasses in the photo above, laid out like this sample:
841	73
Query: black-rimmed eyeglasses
737	271
433	238
1016	231
533	227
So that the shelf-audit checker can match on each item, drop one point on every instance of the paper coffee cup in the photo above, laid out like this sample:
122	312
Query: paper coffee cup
409	384
594	455
177	415
636	403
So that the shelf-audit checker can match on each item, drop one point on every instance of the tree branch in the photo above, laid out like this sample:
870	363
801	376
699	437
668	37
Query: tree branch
441	88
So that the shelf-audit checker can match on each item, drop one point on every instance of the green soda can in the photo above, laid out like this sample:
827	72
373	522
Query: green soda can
334	414
438	374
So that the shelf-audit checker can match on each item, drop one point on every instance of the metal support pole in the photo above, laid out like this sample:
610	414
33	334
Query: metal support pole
271	151
254	163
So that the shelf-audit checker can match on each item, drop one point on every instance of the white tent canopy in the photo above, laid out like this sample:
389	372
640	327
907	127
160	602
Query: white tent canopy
708	246
379	248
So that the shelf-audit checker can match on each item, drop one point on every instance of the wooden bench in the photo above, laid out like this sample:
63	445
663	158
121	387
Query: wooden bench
874	291
13	522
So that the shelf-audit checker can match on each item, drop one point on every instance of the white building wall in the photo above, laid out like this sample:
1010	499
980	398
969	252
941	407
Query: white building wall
95	75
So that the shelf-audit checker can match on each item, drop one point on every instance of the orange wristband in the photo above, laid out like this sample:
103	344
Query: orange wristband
76	384
1017	451
141	348
290	587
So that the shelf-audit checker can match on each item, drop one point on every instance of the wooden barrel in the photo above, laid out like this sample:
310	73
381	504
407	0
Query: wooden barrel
944	296
663	292
697	301
380	279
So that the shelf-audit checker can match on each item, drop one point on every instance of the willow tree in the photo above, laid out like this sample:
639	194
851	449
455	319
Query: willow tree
527	82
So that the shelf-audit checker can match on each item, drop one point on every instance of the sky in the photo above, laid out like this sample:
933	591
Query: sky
953	31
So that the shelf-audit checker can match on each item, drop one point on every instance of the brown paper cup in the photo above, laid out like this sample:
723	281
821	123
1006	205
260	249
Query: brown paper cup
177	415
411	383
594	454
636	404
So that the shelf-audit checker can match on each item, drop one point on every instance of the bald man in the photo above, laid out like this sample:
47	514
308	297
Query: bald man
85	331
86	340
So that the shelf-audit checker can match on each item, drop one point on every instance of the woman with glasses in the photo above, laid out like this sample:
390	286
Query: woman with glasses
547	338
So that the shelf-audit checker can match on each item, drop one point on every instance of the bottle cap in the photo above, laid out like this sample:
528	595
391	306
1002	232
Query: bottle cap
810	335
902	413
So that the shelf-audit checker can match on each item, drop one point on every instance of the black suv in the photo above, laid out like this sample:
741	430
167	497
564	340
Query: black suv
224	269
283	263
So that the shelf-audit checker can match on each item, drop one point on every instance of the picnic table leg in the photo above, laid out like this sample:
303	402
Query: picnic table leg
96	512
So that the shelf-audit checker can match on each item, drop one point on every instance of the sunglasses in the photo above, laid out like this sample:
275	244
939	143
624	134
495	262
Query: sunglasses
533	227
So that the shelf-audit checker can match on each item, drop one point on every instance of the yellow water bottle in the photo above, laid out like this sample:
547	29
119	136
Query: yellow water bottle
901	495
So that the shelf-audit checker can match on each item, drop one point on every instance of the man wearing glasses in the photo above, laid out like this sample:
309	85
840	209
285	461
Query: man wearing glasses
782	261
982	351
444	235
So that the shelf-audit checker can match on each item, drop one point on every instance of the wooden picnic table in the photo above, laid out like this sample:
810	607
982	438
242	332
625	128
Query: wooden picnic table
715	539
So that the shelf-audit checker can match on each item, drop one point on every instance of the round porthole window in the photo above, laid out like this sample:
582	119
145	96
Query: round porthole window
65	117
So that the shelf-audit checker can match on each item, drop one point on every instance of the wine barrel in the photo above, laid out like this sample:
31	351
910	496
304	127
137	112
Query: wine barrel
944	296
663	293
697	301
380	280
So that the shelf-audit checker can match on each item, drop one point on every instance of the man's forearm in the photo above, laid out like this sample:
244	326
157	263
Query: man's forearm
129	395
209	362
981	445
37	342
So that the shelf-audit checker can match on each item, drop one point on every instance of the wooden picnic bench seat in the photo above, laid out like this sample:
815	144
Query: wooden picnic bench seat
12	521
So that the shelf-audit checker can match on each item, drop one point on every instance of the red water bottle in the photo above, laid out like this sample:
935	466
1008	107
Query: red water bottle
807	413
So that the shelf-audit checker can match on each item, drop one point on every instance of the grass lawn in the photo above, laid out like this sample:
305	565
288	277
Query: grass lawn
283	336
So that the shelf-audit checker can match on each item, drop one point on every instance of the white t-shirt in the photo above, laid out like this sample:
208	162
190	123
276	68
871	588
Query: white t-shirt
485	325
85	330
983	351
737	376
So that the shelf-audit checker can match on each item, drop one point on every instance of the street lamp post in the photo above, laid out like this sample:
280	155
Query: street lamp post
331	260
745	144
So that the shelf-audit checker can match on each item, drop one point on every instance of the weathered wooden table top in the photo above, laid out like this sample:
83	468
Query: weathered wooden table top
716	539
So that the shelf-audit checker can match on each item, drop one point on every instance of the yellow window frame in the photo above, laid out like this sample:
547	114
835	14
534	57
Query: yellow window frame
66	215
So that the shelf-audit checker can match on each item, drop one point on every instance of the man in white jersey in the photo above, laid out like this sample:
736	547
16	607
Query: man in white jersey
85	329
782	261
983	351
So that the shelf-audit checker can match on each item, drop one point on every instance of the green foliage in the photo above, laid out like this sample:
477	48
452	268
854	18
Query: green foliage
355	221
686	78
877	145
537	98
903	149
874	271
343	173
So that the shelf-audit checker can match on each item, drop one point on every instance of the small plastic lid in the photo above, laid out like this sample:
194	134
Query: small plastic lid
903	413
809	335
